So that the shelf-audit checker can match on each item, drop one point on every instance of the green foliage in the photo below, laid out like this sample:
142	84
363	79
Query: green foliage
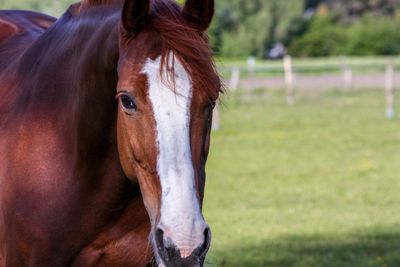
348	10
297	27
321	39
243	27
374	35
248	38
355	27
371	35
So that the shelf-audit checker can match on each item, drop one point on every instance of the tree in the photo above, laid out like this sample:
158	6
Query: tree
243	27
347	11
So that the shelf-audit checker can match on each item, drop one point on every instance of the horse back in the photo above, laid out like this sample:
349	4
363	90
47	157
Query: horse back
14	22
18	30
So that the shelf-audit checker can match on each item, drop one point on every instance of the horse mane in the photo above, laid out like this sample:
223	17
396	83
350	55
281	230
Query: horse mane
87	3
189	45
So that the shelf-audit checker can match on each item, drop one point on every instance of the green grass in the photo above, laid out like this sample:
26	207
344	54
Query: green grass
315	184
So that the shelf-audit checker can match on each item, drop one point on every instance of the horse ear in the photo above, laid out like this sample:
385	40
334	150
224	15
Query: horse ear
135	15
199	13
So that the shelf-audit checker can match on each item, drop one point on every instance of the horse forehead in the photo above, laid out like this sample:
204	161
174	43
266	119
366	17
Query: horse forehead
169	83
171	102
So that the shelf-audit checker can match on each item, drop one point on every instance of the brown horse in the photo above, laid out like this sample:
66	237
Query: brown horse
104	132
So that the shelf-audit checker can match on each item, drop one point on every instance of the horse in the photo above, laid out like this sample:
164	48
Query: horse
105	120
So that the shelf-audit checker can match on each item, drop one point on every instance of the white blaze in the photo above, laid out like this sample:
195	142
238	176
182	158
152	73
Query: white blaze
181	219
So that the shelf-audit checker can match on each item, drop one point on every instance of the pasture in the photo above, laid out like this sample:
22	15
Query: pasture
314	184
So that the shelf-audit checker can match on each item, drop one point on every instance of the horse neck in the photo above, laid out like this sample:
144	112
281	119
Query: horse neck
70	78
95	81
95	111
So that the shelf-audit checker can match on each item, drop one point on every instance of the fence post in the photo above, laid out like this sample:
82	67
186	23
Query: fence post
347	74
235	79
251	67
289	79
389	89
216	122
234	83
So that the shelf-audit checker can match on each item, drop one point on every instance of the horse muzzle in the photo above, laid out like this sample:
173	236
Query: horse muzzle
180	253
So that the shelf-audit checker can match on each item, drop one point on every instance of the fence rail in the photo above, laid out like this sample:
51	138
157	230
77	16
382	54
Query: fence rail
321	74
310	66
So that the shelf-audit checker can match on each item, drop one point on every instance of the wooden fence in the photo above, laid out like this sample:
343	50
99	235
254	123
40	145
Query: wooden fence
294	74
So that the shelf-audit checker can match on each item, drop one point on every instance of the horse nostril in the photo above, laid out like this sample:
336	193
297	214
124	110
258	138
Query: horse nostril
207	242
159	238
165	247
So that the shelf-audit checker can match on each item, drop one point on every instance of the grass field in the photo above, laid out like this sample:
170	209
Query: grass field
315	184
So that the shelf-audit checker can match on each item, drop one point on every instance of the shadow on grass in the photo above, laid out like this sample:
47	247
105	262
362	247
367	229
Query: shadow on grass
367	250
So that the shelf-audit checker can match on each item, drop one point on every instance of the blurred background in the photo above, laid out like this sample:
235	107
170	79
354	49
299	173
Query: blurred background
304	168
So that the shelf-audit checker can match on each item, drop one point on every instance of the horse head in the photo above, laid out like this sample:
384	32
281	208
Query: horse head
167	89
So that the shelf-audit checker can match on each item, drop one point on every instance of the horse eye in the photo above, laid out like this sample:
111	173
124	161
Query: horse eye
128	103
212	104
